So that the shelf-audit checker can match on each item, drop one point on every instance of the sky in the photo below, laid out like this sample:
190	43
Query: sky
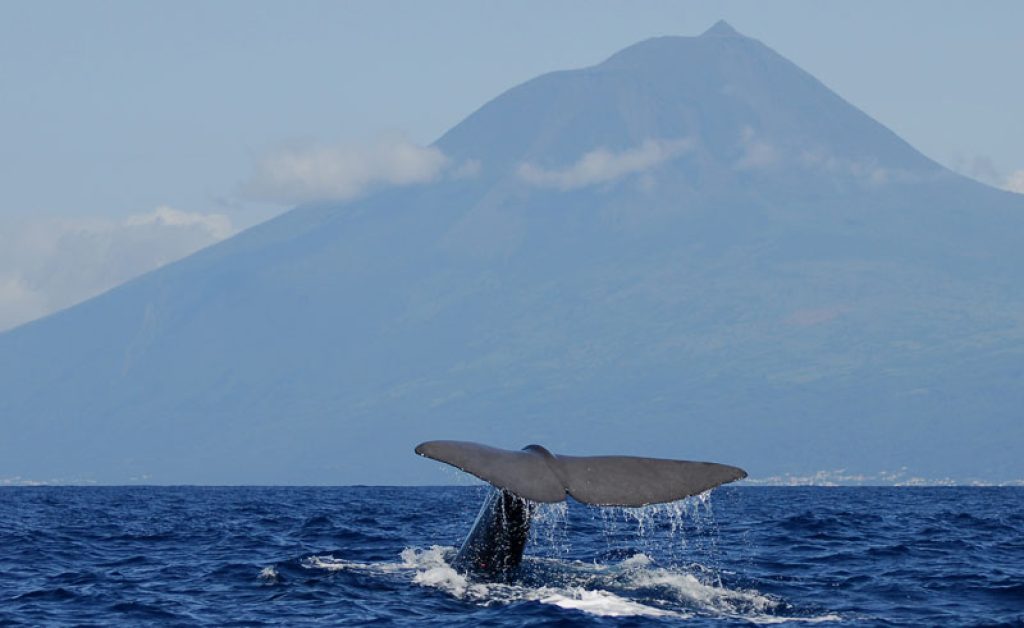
133	133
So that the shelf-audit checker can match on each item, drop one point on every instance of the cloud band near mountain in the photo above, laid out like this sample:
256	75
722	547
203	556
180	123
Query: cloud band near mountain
49	264
603	166
342	172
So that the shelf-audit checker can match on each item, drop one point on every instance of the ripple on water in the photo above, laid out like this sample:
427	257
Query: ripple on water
243	556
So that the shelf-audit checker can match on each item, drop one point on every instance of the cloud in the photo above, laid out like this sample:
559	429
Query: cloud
866	171
757	153
467	170
982	168
217	225
18	302
342	172
50	264
602	165
1015	182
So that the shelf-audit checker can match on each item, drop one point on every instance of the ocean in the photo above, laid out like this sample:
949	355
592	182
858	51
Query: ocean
359	555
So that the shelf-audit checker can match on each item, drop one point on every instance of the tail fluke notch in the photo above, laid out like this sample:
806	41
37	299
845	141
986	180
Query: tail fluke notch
538	475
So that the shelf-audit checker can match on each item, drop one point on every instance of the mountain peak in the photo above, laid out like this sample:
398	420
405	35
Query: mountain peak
728	93
721	28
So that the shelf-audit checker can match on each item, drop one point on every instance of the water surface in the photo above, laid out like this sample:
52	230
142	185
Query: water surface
356	555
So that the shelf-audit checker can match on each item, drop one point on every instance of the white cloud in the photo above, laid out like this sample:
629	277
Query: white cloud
467	170
296	175
1015	182
217	225
602	165
18	302
982	168
757	153
50	264
867	171
979	167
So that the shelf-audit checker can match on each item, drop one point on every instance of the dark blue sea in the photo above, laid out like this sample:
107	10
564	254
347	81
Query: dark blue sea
363	555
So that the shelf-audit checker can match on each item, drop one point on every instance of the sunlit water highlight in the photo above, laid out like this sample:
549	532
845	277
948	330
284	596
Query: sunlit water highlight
222	556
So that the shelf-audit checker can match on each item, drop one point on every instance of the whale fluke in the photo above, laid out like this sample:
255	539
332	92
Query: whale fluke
494	547
538	475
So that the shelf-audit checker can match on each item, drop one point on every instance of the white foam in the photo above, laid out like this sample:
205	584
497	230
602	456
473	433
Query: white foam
590	588
433	571
331	563
268	573
603	603
413	558
636	561
686	588
772	619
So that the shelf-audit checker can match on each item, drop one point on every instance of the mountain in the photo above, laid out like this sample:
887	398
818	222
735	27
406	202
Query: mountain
692	250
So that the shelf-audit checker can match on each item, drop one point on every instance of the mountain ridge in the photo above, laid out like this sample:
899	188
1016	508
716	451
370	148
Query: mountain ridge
702	253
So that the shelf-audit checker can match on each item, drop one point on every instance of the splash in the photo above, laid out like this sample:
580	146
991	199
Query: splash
432	570
549	529
633	587
675	530
694	589
605	604
330	563
269	574
622	582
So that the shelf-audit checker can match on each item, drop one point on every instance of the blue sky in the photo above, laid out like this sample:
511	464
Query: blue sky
132	133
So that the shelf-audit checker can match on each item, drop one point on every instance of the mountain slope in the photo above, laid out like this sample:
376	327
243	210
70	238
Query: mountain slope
693	249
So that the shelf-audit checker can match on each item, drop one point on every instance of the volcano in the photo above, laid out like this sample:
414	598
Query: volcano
691	250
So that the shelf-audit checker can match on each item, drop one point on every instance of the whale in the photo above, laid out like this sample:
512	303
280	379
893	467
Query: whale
522	479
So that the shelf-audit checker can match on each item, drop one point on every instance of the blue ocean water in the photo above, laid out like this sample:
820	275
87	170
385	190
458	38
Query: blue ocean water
359	555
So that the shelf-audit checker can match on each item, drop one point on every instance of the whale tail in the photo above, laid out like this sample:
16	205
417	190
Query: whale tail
494	547
541	476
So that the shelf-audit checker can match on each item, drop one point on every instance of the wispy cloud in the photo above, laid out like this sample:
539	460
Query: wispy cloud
603	165
867	171
1015	182
758	154
982	168
217	226
341	172
467	169
50	264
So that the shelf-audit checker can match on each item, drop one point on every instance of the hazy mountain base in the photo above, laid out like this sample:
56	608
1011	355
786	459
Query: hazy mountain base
783	285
